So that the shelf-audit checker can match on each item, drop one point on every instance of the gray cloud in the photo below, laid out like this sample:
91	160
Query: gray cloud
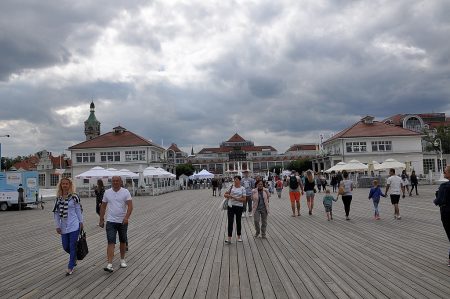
276	73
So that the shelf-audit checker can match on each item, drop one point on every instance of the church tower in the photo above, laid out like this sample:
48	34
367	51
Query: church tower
92	125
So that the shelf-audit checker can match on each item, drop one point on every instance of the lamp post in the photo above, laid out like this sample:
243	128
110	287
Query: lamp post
7	136
437	142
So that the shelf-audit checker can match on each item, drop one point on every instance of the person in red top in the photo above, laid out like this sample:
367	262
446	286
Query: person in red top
279	186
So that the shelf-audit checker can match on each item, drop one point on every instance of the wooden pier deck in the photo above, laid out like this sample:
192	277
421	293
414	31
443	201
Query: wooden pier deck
177	250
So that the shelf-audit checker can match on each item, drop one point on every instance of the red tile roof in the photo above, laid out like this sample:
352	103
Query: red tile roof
236	138
376	129
175	148
27	164
302	147
115	139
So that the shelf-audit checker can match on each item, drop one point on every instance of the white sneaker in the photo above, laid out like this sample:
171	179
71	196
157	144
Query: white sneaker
250	215
399	217
109	268
244	215
123	264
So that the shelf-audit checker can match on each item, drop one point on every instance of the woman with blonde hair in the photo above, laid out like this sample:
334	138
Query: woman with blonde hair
68	219
310	190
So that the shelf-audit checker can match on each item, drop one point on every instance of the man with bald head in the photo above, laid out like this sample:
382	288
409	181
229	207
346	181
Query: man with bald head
118	206
443	201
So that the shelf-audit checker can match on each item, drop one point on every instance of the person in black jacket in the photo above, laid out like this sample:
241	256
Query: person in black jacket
99	192
414	182
443	201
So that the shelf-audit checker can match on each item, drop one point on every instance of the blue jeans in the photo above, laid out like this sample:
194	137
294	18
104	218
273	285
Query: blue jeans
69	243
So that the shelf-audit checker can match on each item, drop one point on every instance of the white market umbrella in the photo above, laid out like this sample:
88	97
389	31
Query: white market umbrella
114	172
391	163
165	174
95	172
338	167
355	165
204	174
151	172
128	174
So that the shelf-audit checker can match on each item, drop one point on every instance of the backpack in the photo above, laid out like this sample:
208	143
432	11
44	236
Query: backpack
293	183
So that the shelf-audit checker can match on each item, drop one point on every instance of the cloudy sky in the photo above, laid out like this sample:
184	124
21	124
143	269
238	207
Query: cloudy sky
194	72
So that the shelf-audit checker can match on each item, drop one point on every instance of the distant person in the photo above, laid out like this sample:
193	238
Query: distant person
236	200
249	184
279	187
310	190
405	182
118	205
323	182
99	192
414	182
214	186
394	183
220	183
20	197
334	182
260	197
328	204
295	191
347	196
375	194
68	219
443	201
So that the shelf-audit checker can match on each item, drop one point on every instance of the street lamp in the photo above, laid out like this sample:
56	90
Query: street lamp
437	142
7	136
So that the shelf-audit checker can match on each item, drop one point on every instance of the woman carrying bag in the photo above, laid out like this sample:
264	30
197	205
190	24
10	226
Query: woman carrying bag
68	219
236	197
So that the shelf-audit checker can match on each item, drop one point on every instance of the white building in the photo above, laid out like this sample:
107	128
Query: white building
117	149
369	140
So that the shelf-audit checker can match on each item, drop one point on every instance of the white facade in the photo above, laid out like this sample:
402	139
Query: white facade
134	159
367	149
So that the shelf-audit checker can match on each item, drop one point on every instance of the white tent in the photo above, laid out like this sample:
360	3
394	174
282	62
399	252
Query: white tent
95	172
340	166
204	174
355	165
390	163
165	174
151	172
128	174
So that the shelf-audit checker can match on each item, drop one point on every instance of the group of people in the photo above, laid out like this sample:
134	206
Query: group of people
115	202
244	194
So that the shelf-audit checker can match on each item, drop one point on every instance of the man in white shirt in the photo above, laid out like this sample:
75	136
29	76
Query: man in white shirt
117	202
394	182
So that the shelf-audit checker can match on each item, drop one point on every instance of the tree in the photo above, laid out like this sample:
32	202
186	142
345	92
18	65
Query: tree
300	165
186	169
442	133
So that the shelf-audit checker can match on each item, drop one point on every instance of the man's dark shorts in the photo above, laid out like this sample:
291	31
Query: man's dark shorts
395	198
112	228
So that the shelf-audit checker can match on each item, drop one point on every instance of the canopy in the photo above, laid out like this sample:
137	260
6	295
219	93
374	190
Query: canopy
114	172
355	165
338	167
128	174
164	173
390	163
204	174
151	172
95	172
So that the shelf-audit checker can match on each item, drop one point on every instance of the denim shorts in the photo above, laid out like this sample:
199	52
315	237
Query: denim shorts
112	228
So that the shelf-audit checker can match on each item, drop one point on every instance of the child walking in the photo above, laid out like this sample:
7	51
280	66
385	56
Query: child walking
328	204
375	194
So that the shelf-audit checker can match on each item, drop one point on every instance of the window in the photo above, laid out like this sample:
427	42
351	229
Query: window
110	156
54	179
266	153
135	155
42	179
153	156
356	147
256	166
85	157
428	164
381	146
444	161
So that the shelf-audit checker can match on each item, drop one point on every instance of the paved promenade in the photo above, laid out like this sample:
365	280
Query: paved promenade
177	250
